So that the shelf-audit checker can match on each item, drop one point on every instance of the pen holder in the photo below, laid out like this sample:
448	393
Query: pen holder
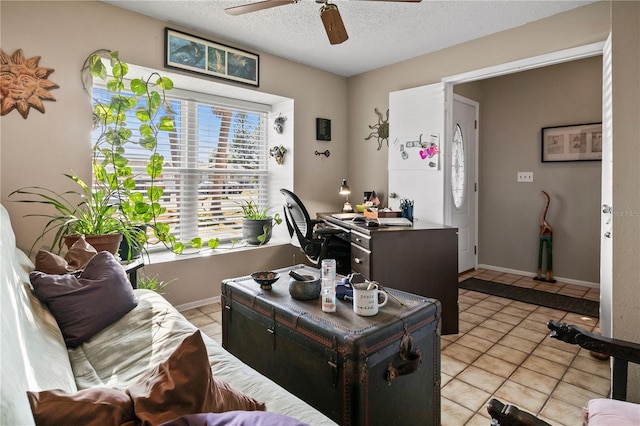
407	211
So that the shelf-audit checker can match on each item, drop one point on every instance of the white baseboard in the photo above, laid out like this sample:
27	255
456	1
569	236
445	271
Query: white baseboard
529	274
198	303
217	299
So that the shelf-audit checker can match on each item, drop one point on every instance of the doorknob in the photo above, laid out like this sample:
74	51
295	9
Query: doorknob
606	209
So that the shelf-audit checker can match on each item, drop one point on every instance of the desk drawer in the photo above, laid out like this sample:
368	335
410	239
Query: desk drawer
361	240
361	260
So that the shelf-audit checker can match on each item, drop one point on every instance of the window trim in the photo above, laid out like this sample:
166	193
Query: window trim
280	176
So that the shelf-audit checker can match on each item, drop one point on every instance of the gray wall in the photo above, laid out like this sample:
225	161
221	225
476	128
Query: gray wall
513	109
588	24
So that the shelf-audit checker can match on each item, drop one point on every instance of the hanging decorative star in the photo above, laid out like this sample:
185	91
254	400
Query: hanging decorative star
23	84
380	130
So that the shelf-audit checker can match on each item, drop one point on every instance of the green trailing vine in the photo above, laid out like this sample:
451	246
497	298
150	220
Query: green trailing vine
138	203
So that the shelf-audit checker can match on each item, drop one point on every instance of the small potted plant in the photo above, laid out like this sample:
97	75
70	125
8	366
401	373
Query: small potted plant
257	222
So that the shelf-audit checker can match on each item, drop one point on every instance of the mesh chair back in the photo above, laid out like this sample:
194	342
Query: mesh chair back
297	214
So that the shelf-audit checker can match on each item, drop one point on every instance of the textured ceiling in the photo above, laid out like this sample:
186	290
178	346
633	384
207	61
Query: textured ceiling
380	33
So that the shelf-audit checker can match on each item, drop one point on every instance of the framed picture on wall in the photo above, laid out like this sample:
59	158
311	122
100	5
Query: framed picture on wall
190	53
579	142
323	129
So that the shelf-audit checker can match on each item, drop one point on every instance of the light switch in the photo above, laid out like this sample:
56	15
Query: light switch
525	176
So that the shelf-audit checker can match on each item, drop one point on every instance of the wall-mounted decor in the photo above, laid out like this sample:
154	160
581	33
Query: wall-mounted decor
189	53
23	84
421	152
323	129
278	153
278	124
581	142
380	130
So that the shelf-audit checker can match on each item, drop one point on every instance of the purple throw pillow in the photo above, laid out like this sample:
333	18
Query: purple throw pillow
86	305
235	418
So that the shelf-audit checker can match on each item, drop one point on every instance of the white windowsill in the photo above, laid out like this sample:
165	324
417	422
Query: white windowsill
164	256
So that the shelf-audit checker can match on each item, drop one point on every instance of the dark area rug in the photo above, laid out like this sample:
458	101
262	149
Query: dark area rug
535	297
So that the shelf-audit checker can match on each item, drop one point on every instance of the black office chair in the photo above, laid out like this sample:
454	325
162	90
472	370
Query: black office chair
316	243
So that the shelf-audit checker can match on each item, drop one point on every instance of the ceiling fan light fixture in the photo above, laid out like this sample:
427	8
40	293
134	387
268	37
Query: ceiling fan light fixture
333	24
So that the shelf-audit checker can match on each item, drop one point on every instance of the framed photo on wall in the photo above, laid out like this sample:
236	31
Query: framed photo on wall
580	142
189	53
323	129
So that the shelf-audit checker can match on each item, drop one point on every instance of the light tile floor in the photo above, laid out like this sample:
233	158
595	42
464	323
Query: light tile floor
502	351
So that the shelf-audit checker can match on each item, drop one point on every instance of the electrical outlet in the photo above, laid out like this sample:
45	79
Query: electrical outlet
525	176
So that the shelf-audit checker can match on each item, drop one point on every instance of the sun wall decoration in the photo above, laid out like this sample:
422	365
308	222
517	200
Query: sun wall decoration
380	130
23	84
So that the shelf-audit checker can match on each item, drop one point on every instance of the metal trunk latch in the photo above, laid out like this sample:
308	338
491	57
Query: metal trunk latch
272	328
333	363
412	357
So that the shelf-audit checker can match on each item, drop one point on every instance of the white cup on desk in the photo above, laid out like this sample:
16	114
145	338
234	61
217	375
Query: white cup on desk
365	298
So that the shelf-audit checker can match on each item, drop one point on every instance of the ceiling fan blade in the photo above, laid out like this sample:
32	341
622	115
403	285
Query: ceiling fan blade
333	24
254	7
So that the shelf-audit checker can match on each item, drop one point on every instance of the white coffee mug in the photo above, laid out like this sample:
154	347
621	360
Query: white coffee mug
365	299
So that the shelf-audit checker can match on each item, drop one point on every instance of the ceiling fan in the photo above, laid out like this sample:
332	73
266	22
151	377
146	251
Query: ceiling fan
329	14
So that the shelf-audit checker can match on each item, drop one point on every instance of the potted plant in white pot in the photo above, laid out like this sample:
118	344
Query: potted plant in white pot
257	222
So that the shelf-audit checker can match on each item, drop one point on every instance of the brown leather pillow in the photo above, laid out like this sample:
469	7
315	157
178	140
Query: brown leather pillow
94	406
184	384
51	263
77	257
181	385
79	254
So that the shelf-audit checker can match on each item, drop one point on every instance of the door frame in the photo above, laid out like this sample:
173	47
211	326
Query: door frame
540	61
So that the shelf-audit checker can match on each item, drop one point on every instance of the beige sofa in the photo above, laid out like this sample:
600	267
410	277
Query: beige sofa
34	356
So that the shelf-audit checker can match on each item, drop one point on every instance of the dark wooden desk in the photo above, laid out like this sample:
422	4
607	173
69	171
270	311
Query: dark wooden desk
422	259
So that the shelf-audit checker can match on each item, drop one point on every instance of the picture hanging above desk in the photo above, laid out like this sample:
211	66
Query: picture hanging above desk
421	152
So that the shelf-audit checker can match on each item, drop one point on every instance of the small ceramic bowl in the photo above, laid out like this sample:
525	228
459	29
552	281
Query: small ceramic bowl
265	278
305	290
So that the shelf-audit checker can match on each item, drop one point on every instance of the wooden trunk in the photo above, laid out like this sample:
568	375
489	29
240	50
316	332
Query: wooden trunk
380	370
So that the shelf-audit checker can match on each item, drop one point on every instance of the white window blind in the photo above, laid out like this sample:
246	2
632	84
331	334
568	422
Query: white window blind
215	159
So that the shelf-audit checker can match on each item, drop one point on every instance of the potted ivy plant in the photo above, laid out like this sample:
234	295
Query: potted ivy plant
257	222
118	201
137	203
138	195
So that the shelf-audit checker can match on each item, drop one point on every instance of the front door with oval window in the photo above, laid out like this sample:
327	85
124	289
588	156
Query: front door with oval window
463	180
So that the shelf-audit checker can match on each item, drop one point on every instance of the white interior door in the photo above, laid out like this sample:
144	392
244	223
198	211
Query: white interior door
606	243
417	117
461	184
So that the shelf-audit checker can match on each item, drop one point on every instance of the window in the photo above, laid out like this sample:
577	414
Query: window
215	158
458	175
